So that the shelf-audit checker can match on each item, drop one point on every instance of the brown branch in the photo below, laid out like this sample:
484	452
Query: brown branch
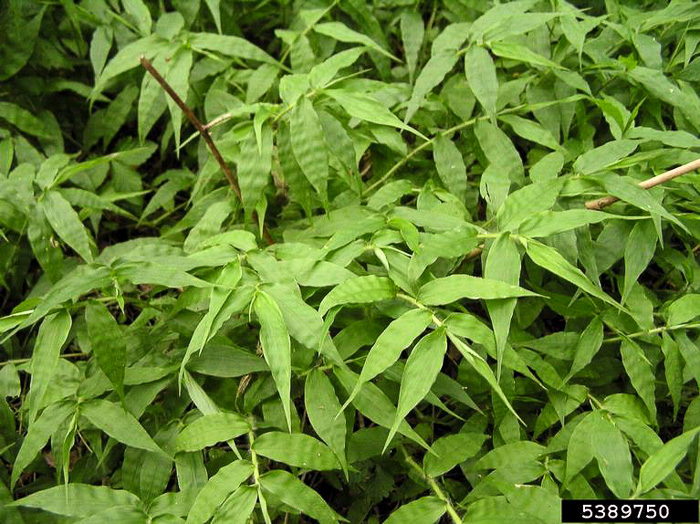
600	203
204	132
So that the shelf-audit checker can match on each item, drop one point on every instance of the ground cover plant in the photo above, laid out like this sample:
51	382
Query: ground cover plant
273	261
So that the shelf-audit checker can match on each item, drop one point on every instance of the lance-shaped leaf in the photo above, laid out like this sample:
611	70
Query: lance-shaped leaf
38	434
53	333
641	374
296	494
369	109
343	33
254	164
613	455
238	507
482	368
276	347
422	368
481	76
108	344
430	76
359	290
503	264
296	449
211	429
376	406
450	166
322	404
119	424
424	510
309	145
664	461
412	32
79	500
550	259
388	347
455	287
66	223
588	345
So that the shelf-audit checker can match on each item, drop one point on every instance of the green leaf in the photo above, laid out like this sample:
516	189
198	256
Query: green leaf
588	344
309	145
521	53
412	32
215	10
53	333
296	449
128	58
79	500
629	191
38	434
322	405
549	223
359	290
450	166
511	454
455	287
108	344
481	76
375	405
238	507
551	260
177	76
422	368
321	74
298	495
523	203
217	489
19	36
254	164
502	264
424	510
684	309
580	449
664	461
531	130
369	109
450	450
209	430
641	374
613	455
66	223
430	76
639	252
157	274
482	368
230	46
22	119
601	157
274	339
342	33
119	424
388	347
137	12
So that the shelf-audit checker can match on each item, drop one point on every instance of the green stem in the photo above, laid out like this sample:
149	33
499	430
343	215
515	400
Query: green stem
433	486
306	31
254	458
23	360
654	331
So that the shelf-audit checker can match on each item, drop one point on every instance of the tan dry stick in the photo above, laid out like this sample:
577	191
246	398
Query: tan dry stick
204	131
600	203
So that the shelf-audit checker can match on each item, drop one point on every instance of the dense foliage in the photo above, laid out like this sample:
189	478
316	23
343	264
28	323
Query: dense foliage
409	315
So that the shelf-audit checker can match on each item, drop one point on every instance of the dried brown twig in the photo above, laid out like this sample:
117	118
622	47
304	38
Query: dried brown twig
600	203
204	132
